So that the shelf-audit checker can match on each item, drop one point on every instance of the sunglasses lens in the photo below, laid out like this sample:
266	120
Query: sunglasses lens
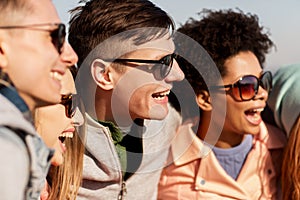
68	107
74	104
58	37
166	66
266	81
248	87
67	101
161	71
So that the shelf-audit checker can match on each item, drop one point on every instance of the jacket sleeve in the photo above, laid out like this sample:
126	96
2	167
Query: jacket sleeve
14	168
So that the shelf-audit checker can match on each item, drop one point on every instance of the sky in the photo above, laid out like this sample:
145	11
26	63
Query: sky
280	18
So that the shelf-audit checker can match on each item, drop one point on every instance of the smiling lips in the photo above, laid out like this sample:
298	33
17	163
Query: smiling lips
160	96
62	137
56	76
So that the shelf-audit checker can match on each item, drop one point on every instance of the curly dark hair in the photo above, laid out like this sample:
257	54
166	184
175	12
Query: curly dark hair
225	33
98	20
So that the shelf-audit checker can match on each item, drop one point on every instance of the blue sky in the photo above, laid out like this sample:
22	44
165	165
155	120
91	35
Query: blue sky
282	18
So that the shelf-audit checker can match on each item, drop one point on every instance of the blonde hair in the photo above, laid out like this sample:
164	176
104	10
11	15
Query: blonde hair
64	180
291	165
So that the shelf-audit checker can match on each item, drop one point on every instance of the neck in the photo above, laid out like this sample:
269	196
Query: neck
208	131
214	134
21	102
105	111
229	140
203	124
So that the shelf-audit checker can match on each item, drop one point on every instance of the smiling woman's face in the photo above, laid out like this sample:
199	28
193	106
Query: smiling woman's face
243	117
52	122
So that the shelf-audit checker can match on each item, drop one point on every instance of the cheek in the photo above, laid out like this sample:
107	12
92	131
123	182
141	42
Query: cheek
143	105
53	123
51	131
235	110
141	97
41	50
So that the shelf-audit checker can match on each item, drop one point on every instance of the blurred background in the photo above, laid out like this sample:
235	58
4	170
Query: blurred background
281	18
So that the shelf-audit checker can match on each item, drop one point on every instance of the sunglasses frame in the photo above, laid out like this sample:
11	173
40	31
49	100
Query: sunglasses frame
67	102
238	84
167	60
59	33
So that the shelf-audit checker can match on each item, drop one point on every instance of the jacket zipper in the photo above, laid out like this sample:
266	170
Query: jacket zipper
123	191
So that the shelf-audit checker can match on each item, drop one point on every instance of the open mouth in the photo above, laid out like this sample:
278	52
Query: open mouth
56	76
254	111
253	115
62	137
160	95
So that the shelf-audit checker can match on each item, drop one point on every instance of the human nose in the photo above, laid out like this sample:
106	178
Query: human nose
77	119
68	55
262	94
176	74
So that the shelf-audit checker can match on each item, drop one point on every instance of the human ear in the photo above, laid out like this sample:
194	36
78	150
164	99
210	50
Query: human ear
3	55
101	74
203	100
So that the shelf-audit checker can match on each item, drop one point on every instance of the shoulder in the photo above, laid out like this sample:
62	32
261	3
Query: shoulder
14	169
186	146
9	138
12	144
274	137
277	138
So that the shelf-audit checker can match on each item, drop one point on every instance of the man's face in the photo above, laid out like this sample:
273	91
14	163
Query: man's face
138	91
31	60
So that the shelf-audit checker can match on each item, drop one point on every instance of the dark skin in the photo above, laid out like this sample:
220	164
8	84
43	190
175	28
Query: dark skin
238	120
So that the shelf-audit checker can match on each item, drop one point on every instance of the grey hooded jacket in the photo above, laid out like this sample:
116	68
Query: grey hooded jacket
24	162
102	176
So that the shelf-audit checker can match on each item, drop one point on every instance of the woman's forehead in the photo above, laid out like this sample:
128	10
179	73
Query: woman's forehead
67	83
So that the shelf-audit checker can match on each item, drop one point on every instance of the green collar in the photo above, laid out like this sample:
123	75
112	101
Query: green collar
116	133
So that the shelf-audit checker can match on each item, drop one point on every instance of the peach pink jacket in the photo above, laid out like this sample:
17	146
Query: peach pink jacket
194	176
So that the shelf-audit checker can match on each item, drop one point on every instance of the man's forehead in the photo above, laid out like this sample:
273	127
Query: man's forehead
164	43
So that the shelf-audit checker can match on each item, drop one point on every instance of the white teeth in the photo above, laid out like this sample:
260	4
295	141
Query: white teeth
254	111
161	96
56	76
166	93
67	135
258	110
158	98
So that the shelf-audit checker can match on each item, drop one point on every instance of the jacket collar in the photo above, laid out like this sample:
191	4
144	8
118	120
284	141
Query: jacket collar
273	137
12	95
186	146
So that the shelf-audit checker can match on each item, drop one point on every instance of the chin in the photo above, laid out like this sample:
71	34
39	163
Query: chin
158	112
57	160
253	131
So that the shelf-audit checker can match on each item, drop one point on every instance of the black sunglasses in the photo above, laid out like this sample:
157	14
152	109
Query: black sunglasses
246	88
69	101
58	35
160	69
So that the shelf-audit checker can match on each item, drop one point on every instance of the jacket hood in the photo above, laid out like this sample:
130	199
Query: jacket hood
12	117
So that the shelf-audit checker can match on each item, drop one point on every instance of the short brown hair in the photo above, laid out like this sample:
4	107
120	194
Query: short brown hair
99	20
